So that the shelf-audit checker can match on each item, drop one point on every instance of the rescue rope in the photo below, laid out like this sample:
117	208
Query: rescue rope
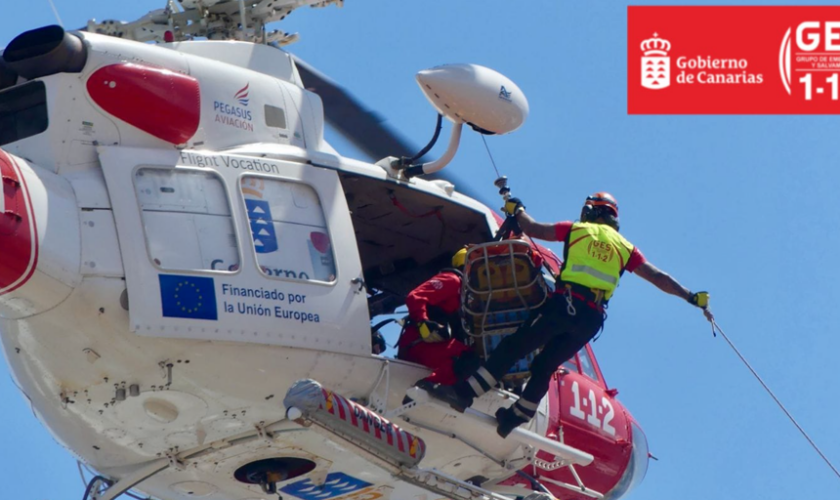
772	395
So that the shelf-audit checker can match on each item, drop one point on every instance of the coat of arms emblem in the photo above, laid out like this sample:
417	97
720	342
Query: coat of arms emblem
656	65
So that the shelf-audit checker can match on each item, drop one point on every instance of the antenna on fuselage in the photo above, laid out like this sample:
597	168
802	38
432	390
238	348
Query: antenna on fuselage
55	12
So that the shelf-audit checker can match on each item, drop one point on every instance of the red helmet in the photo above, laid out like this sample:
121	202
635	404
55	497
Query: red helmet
603	199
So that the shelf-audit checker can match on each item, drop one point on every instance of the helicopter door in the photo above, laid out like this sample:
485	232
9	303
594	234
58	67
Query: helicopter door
225	247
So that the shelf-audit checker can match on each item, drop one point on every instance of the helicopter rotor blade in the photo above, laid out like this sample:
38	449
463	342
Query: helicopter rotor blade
361	126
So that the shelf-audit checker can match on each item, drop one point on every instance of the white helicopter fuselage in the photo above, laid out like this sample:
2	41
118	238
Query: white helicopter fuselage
162	296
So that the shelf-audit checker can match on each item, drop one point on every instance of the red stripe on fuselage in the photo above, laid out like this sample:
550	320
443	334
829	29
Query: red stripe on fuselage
343	407
377	427
400	437
18	236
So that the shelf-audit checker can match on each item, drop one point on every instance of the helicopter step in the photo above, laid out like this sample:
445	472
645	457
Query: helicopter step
561	452
374	438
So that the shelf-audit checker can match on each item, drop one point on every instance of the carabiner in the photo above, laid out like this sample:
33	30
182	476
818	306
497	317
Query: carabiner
570	308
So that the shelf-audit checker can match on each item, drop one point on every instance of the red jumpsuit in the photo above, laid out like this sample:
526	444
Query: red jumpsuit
441	292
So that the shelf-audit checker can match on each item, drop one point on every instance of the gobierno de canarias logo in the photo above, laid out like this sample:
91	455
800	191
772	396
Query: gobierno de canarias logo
694	69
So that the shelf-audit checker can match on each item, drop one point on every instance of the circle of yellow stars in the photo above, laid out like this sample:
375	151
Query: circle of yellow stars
195	290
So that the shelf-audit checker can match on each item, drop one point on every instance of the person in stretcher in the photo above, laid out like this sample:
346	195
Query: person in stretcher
434	335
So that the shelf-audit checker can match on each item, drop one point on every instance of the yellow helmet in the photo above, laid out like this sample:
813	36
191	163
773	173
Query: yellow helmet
460	258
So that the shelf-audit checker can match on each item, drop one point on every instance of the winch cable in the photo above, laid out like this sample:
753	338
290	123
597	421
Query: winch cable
504	191
772	395
484	140
509	223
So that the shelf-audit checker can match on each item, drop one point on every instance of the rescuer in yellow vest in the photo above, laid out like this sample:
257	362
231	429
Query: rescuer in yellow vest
595	257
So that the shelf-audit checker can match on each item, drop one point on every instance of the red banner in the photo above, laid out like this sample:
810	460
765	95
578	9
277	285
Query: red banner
733	60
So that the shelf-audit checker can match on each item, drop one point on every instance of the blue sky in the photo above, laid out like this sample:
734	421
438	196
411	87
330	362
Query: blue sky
742	206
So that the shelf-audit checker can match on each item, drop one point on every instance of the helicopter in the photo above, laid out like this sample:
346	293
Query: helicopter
142	384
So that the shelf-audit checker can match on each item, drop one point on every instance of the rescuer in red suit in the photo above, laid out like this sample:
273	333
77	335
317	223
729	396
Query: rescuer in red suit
433	306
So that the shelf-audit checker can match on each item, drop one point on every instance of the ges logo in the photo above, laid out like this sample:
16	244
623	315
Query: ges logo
812	46
601	250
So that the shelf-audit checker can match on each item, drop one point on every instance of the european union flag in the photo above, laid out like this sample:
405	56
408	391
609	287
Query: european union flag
336	484
188	297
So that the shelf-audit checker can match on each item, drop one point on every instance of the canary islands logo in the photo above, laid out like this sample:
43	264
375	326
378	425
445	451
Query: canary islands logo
656	65
242	95
337	484
259	214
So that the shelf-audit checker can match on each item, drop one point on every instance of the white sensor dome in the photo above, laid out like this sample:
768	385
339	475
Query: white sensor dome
483	98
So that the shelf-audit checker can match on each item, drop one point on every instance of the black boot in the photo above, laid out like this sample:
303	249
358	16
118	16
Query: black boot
465	365
455	396
508	421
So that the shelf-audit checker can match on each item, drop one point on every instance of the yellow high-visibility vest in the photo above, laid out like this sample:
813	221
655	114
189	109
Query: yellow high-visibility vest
596	255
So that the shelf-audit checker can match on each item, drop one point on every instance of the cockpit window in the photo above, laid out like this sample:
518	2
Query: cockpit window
289	230
586	365
187	220
571	365
275	117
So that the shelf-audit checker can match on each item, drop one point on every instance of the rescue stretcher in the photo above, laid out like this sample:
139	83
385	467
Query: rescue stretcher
502	283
